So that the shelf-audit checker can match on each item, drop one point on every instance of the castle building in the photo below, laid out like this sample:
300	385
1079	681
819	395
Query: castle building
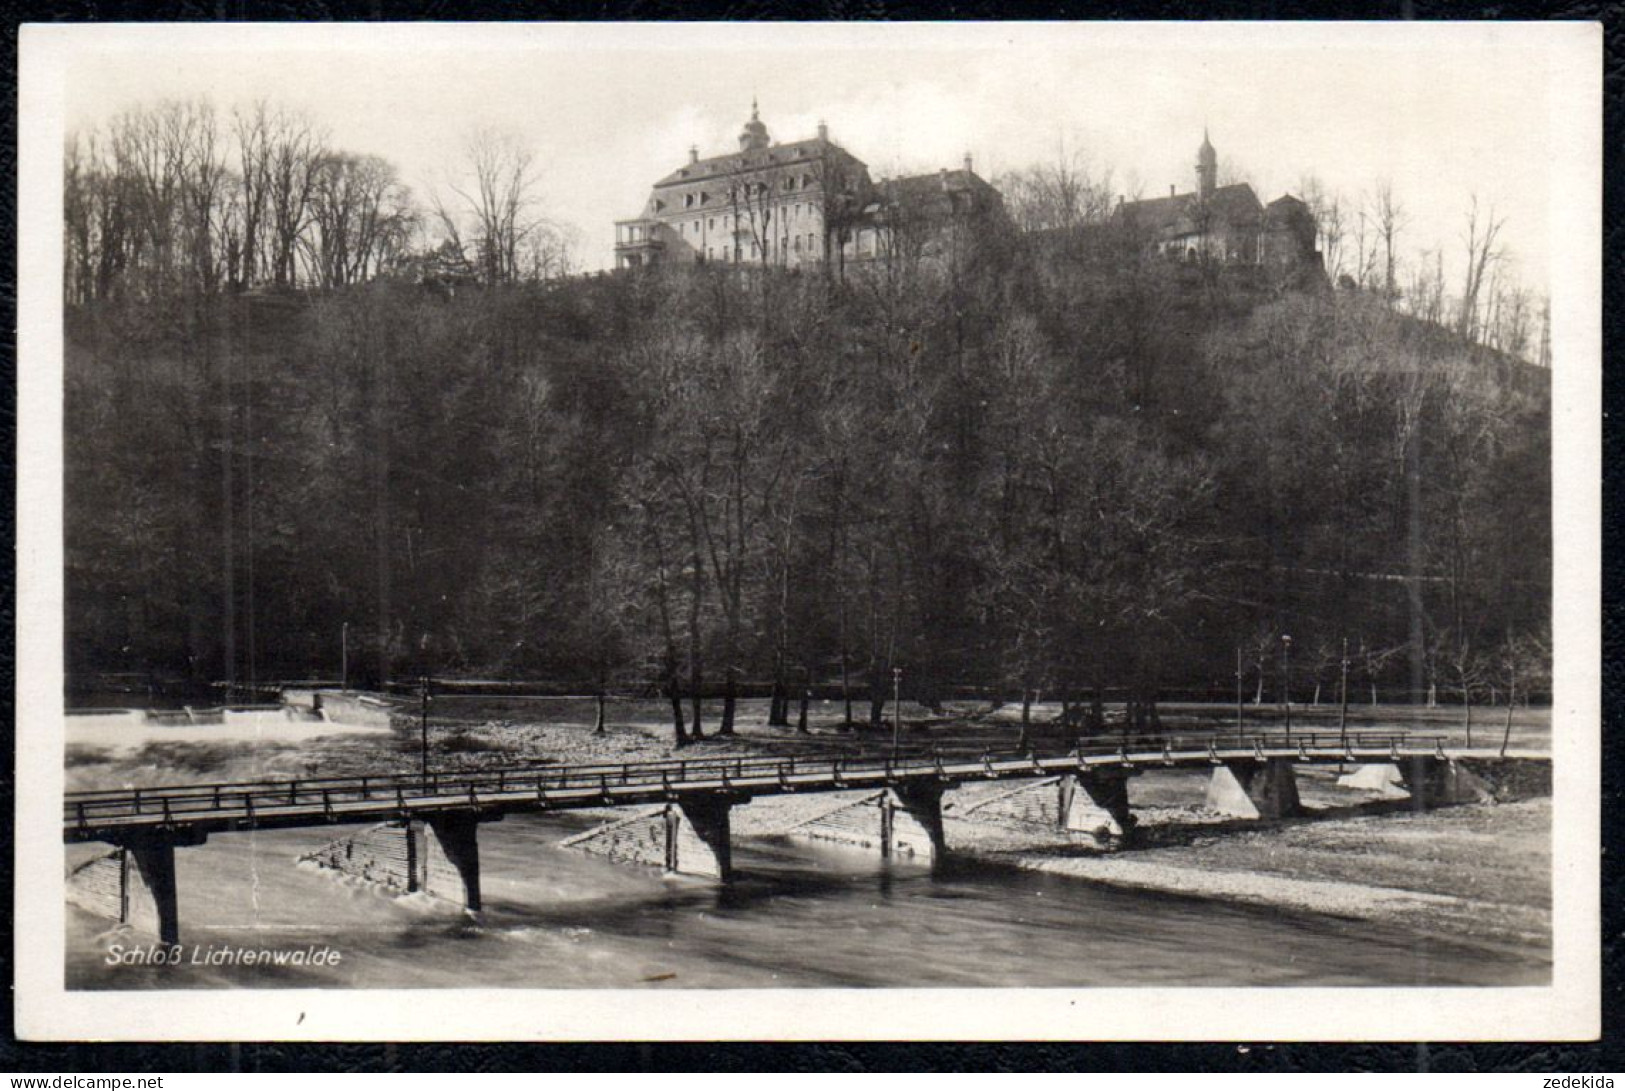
1226	225
807	202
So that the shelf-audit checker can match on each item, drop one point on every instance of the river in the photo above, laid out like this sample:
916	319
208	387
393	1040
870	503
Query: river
798	915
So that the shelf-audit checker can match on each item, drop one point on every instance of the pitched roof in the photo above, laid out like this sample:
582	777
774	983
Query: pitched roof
1286	208
800	151
922	186
930	193
1175	215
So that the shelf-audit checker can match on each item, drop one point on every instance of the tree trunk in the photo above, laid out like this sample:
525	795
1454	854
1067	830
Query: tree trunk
678	734
846	678
730	699
1512	702
696	681
598	727
1026	719
801	718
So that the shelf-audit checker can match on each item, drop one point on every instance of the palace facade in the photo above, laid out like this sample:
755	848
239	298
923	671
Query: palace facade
806	202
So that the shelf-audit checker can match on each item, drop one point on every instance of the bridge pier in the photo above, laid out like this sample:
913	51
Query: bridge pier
902	821
135	884
691	837
151	900
1434	782
1096	803
699	838
446	858
1254	789
438	856
911	821
1382	777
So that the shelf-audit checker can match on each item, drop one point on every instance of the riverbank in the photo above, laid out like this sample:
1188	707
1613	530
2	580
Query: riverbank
1476	874
1479	874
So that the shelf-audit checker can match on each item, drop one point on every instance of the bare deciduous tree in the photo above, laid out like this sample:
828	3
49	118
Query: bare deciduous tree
1483	251
493	210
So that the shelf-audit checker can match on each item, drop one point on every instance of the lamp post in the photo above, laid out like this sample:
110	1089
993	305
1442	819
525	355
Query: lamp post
1238	690
1286	681
1343	699
423	725
896	708
344	657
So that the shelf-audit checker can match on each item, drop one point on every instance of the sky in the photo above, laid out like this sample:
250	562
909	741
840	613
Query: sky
1442	112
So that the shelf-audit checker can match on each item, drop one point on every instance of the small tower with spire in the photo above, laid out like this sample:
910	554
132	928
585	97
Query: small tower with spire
1207	167
754	135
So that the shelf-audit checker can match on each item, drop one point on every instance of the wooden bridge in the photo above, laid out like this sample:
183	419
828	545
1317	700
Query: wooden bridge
435	817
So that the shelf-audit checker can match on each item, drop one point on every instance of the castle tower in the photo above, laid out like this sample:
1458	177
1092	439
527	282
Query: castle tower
754	136
1207	167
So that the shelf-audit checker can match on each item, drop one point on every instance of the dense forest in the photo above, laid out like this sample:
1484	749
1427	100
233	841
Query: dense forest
1004	456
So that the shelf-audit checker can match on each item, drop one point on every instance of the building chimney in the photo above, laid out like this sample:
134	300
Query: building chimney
693	153
823	130
1170	189
967	164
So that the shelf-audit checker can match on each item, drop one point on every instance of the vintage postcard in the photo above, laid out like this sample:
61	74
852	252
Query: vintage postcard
976	531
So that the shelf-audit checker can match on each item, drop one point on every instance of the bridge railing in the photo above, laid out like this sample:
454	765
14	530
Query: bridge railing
180	803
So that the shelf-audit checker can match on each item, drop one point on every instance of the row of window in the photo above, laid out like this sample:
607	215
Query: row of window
696	227
788	184
793	244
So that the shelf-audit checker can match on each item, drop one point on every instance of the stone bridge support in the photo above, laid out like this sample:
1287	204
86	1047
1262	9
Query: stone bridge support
1442	782
699	838
448	858
135	884
1255	789
911	821
438	856
1097	803
691	837
904	821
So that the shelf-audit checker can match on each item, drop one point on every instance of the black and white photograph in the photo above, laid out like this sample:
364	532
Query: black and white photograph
915	531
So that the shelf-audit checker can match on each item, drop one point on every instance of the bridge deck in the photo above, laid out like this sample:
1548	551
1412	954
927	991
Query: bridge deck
203	808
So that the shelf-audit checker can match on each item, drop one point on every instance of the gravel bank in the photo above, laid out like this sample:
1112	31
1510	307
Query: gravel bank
1479	873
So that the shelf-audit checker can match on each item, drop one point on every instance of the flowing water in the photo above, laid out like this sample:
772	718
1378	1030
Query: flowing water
798	915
